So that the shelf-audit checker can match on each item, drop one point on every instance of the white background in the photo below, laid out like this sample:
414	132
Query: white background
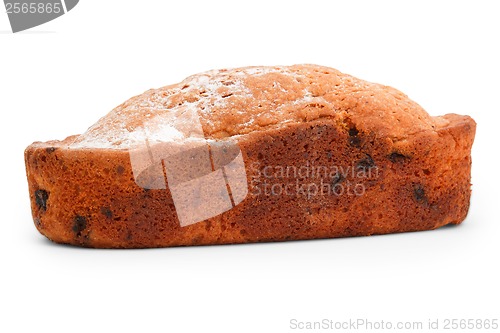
59	78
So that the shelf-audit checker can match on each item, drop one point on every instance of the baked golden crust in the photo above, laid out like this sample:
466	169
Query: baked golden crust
412	171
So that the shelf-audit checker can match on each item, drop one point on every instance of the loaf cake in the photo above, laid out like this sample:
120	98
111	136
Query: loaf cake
253	154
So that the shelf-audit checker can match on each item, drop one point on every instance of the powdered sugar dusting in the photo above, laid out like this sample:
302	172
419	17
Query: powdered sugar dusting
161	109
227	103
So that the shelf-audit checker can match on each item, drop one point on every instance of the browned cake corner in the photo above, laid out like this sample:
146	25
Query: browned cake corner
253	154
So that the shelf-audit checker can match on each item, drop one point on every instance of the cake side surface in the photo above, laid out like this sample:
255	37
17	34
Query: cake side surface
90	198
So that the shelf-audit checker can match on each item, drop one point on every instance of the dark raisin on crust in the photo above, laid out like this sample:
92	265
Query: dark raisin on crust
79	224
338	178
419	193
354	140
120	169
41	197
107	212
50	150
396	157
366	163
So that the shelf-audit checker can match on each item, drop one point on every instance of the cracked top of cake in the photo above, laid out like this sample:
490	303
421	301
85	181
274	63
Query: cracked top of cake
234	102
